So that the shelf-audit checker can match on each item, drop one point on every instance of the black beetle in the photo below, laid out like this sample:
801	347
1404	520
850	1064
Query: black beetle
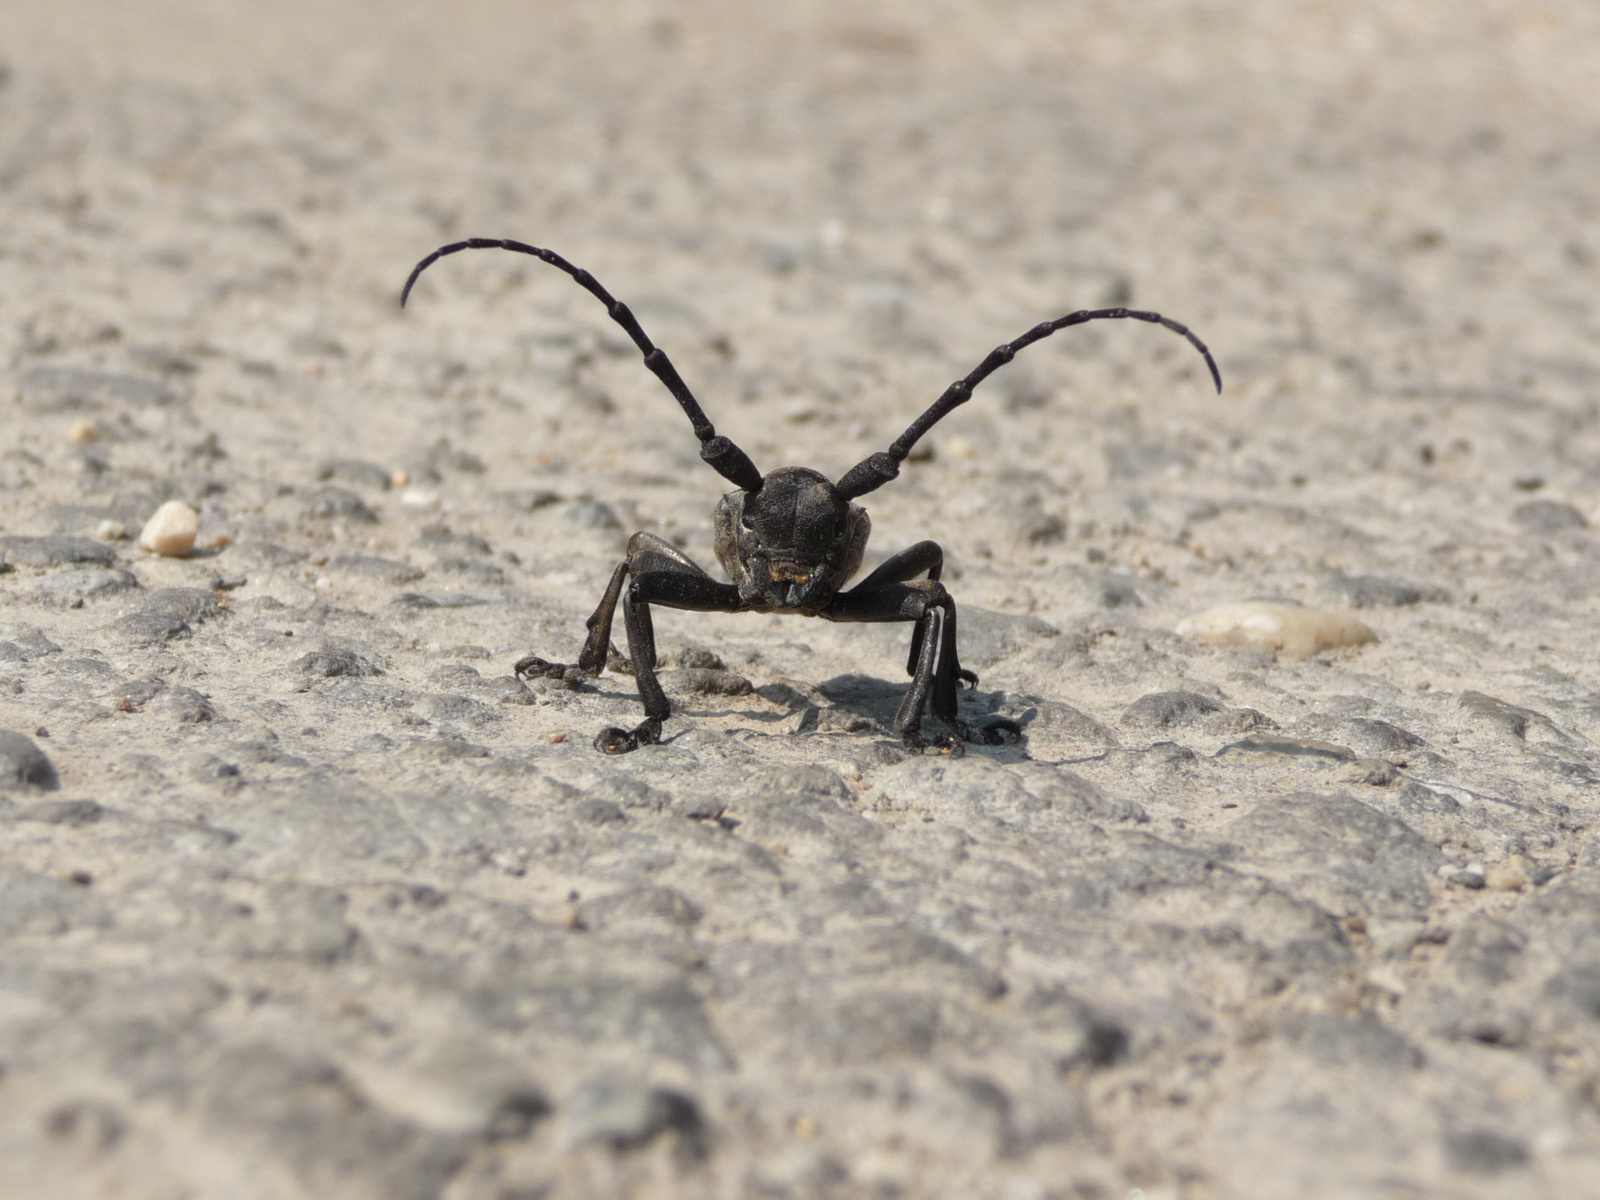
790	541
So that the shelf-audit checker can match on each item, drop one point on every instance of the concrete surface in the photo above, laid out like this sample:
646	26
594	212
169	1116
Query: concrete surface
301	895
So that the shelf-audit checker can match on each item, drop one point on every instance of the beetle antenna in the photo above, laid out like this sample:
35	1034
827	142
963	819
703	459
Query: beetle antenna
732	463
872	473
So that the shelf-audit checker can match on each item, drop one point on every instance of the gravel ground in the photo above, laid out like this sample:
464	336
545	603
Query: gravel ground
303	894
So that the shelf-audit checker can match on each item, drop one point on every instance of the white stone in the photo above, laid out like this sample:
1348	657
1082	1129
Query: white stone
171	531
1287	630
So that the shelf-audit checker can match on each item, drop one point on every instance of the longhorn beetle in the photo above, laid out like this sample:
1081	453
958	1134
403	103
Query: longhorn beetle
790	541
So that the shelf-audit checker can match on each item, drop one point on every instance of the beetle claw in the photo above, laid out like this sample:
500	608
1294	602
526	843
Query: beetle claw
999	732
534	667
943	743
612	740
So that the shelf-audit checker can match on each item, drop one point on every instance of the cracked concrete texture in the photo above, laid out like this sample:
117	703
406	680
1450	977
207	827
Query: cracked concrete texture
302	894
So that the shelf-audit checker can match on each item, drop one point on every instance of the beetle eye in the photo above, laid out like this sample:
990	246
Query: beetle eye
747	520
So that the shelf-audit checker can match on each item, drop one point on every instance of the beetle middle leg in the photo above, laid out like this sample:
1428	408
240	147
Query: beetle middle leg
596	652
655	572
646	552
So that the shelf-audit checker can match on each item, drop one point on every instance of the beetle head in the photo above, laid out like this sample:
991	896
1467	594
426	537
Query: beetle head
793	542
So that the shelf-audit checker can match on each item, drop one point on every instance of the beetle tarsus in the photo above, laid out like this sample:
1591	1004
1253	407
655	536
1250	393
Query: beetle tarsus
949	742
1000	731
613	740
534	667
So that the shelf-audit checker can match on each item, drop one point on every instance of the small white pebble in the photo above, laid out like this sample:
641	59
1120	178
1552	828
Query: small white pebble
110	531
1287	630
418	498
83	432
400	478
958	447
171	531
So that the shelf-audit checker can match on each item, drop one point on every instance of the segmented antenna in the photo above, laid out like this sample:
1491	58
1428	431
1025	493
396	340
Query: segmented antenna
872	473
732	463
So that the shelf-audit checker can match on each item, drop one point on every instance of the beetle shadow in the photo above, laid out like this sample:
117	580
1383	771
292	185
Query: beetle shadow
878	699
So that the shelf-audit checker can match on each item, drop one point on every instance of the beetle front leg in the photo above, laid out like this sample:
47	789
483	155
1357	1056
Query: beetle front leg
672	588
642	649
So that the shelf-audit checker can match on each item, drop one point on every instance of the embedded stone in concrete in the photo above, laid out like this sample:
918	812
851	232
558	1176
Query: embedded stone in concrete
1287	630
23	764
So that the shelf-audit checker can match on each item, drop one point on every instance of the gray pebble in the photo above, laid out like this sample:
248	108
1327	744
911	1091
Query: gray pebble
88	1127
1548	516
1375	591
1508	719
691	655
625	1116
626	792
1484	1151
420	600
1345	1041
335	663
640	909
471	569
31	643
73	588
597	812
1288	747
1091	1038
332	502
455	675
529	500
189	604
457	545
303	1110
1169	710
272	554
23	764
592	514
71	389
700	681
72	813
152	628
54	551
508	689
355	471
39	905
372	567
447	707
1338	852
186	706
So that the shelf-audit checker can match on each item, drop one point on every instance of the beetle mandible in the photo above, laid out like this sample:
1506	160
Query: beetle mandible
789	541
